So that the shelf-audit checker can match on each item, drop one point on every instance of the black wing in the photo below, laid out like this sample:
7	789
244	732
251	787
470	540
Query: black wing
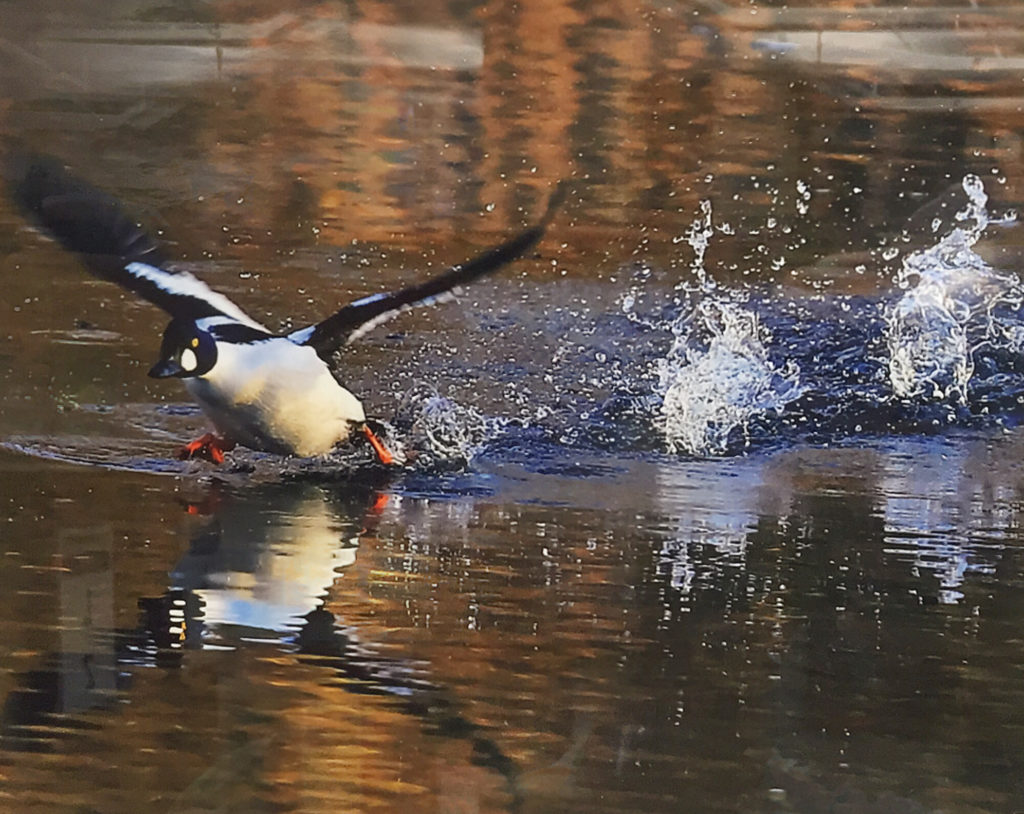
92	224
358	317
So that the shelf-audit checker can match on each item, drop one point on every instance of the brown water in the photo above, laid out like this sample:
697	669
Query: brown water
564	605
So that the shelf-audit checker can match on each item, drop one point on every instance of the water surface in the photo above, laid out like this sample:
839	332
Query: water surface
715	498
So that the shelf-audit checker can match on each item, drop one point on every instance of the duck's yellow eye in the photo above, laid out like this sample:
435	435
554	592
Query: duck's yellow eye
195	341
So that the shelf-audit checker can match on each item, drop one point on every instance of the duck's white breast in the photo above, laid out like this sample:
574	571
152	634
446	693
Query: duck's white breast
276	396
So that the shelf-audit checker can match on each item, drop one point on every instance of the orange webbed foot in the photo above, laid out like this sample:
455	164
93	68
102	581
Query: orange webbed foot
208	447
383	453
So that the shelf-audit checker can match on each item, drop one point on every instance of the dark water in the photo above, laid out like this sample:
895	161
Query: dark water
716	503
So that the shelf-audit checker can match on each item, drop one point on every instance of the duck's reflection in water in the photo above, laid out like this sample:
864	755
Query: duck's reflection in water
266	557
258	571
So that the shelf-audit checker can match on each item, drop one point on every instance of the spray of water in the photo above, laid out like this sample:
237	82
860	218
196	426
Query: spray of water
438	432
949	309
717	375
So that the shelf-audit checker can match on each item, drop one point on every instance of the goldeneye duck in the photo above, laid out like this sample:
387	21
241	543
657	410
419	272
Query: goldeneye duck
266	391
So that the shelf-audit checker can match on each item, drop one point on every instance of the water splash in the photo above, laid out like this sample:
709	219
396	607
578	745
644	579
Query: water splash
440	433
950	309
717	376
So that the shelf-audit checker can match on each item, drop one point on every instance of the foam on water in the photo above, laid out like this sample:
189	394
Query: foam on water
950	308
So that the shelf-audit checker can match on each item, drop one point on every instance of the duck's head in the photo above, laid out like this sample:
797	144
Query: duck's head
187	350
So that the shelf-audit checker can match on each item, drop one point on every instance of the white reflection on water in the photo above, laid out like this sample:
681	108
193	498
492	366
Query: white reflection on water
125	56
262	563
947	507
714	507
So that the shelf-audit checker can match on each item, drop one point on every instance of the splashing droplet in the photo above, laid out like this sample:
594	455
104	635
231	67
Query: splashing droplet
949	291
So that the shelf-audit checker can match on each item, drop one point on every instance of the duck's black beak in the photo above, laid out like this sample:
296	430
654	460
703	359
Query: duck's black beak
165	368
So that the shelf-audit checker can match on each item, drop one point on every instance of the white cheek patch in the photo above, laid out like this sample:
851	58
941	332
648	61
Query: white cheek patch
188	360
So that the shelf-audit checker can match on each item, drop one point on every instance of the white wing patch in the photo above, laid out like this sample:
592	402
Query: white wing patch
185	285
368	300
380	319
301	336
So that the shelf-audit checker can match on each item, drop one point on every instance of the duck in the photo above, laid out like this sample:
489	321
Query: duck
267	391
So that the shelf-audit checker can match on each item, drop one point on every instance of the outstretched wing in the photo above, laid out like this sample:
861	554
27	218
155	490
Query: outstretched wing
358	317
92	224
